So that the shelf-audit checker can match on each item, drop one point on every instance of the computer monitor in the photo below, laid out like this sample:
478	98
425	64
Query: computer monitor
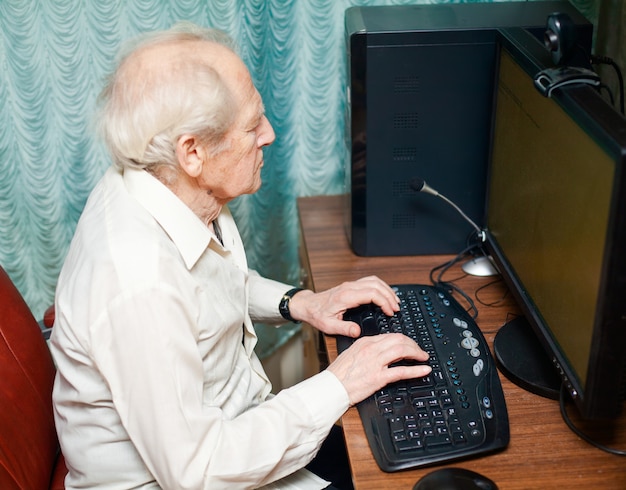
556	224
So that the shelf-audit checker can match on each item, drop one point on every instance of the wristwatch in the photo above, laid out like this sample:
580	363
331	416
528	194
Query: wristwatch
283	306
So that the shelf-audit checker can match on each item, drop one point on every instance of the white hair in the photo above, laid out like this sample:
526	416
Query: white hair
146	109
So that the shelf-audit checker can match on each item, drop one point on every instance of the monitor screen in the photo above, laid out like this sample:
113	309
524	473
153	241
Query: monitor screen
554	193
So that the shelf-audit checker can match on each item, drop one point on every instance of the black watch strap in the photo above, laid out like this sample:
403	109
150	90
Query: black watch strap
283	306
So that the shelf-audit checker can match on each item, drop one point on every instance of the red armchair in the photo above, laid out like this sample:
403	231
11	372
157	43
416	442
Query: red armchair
29	450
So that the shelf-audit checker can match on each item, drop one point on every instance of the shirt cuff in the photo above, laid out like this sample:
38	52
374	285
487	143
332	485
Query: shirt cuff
325	397
264	296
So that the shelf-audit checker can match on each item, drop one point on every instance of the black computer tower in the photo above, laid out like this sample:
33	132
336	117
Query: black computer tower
420	92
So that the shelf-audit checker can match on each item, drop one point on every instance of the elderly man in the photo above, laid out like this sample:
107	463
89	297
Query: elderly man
158	385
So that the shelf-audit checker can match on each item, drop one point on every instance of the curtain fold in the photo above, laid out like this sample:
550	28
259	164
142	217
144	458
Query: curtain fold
54	56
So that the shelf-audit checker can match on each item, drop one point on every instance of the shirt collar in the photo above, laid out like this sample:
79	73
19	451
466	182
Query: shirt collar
190	235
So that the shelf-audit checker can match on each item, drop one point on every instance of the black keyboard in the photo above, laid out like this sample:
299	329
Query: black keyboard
457	411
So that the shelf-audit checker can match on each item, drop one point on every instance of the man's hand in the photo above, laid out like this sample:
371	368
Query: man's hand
325	310
363	368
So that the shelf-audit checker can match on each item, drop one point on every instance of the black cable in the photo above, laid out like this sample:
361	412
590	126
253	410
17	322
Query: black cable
485	286
608	91
443	268
596	59
581	434
472	306
446	265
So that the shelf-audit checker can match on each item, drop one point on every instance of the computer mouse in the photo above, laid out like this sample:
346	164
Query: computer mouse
480	266
454	479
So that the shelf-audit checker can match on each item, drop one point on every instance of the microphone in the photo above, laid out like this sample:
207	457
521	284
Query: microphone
420	185
478	266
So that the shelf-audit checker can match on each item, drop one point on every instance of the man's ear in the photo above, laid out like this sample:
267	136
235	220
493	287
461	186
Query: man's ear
190	154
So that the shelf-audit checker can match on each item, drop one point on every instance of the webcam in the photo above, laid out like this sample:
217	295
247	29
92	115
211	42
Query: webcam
560	37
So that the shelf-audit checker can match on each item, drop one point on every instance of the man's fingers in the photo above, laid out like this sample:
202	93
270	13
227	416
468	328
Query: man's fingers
369	364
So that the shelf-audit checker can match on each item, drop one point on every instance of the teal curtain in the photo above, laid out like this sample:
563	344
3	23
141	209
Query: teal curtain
54	56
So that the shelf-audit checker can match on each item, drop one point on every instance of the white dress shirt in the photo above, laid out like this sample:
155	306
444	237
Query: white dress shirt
158	385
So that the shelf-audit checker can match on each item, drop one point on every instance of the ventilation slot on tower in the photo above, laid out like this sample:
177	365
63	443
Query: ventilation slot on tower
407	120
401	189
406	85
403	221
404	154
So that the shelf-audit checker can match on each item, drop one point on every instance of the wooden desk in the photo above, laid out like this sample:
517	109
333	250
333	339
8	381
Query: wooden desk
543	452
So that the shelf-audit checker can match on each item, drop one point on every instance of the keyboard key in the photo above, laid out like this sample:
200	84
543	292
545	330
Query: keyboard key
438	440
